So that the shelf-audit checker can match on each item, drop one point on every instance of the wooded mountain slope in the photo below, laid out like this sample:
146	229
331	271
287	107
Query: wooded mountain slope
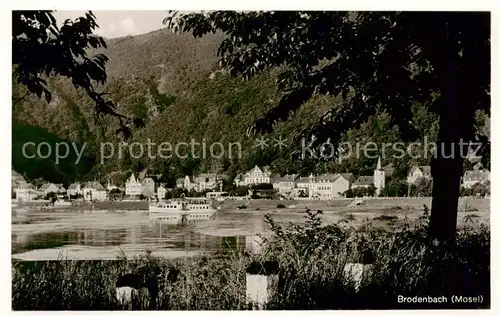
172	82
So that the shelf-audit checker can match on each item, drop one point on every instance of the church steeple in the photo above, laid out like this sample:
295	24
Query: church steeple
379	177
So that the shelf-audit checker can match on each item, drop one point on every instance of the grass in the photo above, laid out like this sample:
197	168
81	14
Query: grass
311	258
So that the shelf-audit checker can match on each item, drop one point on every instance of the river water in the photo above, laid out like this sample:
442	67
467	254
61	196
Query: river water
85	235
94	235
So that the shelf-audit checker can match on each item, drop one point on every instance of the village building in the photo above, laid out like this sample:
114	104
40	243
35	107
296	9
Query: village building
472	177
147	193
298	193
363	182
304	184
200	183
255	176
48	188
348	176
325	186
26	192
61	191
184	183
132	186
162	191
94	191
377	180
148	184
148	188
275	180
75	189
205	182
417	172
179	183
17	180
285	184
329	186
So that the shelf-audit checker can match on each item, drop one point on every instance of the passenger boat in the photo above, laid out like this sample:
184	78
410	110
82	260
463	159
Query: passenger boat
190	208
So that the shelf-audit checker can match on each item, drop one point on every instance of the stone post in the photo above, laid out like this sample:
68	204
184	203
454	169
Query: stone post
261	283
357	273
361	270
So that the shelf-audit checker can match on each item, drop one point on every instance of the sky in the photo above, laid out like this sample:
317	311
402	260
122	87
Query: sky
119	23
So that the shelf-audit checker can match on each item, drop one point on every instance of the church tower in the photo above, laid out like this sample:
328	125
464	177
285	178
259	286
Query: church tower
379	178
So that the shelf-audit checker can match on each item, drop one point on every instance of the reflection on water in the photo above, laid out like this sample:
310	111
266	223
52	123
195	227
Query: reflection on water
37	235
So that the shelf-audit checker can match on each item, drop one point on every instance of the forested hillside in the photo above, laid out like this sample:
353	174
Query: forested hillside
172	82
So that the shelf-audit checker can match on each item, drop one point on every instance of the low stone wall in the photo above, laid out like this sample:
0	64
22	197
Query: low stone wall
373	202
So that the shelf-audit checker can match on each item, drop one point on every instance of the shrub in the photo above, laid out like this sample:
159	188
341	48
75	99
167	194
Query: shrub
385	218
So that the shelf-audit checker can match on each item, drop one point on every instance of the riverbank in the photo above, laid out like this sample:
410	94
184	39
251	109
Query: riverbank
100	205
311	259
264	204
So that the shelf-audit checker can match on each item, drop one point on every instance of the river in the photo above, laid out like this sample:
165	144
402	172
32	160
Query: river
101	235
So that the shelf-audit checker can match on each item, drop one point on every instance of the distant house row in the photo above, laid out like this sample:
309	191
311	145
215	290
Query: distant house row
147	187
469	179
324	186
88	191
333	185
202	182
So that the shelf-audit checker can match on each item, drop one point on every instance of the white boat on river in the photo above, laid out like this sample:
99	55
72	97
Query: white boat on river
190	208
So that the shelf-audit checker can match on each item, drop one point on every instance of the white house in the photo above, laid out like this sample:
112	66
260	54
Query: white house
185	183
49	188
305	183
179	183
418	172
132	186
75	189
205	181
162	191
93	191
285	184
199	183
148	187
255	176
325	186
26	192
329	186
472	177
148	184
